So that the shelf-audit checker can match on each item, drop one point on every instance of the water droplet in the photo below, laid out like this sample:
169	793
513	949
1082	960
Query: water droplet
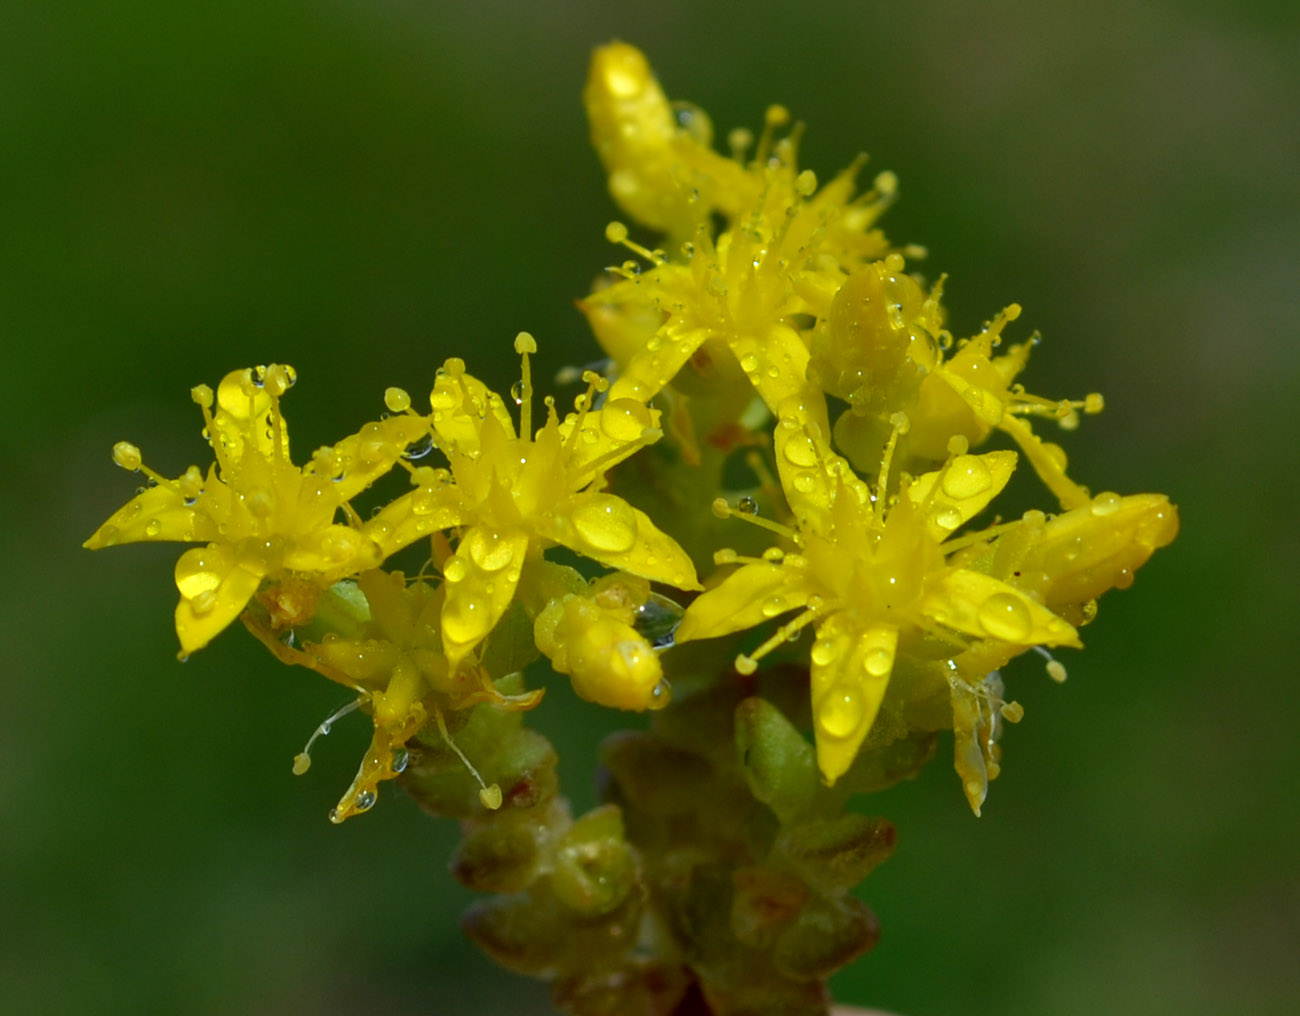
662	695
800	451
491	797
419	448
966	476
399	760
947	518
656	620
747	506
153	527
334	816
825	652
606	524
624	419
488	549
773	606
749	363
365	800
878	662
1106	503
517	392
195	573
1004	616
840	712
454	570
804	483
465	618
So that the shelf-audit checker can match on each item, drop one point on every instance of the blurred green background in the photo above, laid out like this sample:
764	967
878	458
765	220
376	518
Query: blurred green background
363	188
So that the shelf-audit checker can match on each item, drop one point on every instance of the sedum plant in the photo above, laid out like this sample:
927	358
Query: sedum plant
777	502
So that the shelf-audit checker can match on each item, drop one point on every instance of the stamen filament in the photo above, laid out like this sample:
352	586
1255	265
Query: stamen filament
302	761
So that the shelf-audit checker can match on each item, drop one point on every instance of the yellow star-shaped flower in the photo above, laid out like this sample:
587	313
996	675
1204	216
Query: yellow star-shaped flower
259	514
873	581
513	495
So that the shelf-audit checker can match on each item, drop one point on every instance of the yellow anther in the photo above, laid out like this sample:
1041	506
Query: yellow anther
397	400
127	455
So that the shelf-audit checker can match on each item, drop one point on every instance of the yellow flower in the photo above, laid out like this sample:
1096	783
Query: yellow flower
259	514
401	672
512	496
874	582
784	253
883	349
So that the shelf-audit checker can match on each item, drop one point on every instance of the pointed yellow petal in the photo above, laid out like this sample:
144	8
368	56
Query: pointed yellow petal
850	672
1090	550
953	495
373	450
215	586
158	514
460	404
776	363
981	605
656	364
607	529
747	597
481	578
414	515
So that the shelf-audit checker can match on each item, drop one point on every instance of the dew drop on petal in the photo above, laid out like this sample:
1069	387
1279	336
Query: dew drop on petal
840	712
1005	617
398	762
824	652
466	618
365	800
878	662
804	483
606	524
454	570
1106	503
488	549
800	451
947	518
624	419
966	477
153	527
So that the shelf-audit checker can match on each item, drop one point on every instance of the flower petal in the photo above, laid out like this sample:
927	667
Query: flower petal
419	513
481	578
981	605
1090	550
373	450
607	529
215	586
747	597
850	672
951	496
157	514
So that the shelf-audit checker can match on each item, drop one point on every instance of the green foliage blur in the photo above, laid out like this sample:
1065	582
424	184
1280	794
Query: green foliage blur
361	189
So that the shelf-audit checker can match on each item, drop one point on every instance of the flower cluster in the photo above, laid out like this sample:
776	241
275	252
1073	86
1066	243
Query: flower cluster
769	329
